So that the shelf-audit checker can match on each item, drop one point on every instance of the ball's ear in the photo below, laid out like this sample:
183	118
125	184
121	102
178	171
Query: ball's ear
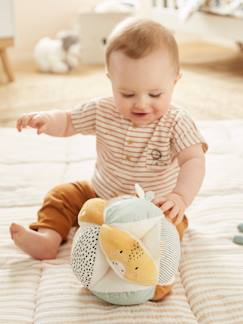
139	191
149	196
127	256
92	211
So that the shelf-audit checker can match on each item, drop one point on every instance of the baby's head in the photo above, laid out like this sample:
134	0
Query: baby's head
143	66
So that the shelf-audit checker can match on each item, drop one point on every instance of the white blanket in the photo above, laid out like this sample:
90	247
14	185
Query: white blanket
209	285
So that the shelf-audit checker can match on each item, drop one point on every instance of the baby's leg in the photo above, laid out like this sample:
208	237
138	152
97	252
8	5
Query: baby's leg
55	218
42	244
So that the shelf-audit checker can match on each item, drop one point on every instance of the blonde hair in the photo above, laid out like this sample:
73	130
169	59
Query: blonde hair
137	38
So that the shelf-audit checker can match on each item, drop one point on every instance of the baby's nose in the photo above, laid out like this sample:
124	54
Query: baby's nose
141	103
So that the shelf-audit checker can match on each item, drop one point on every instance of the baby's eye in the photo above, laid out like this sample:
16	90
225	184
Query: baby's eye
127	95
157	95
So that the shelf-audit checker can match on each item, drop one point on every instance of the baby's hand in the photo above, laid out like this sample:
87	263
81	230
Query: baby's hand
173	206
37	120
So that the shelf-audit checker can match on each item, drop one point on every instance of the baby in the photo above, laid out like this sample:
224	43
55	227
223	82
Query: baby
141	138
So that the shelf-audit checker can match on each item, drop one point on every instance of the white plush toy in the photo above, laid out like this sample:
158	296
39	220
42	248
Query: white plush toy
59	55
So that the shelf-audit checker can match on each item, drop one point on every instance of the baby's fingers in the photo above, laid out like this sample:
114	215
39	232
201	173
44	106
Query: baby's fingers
173	213
167	205
179	218
41	129
37	121
23	121
159	201
19	124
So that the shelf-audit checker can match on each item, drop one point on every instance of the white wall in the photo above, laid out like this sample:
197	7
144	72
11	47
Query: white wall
37	18
6	18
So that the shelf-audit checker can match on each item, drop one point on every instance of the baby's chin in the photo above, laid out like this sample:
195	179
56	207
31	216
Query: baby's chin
142	123
137	122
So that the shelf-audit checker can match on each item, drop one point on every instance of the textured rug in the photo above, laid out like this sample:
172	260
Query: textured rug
211	86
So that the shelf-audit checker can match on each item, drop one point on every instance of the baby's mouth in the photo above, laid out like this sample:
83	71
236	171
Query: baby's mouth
140	114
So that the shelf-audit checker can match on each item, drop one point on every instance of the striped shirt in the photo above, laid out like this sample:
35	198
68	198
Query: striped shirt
127	154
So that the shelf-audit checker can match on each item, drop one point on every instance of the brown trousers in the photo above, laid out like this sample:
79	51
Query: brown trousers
62	204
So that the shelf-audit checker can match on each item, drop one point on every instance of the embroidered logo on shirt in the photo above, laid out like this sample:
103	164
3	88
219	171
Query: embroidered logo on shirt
156	154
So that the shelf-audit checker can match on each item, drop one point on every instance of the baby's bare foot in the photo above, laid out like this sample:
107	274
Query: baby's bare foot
41	245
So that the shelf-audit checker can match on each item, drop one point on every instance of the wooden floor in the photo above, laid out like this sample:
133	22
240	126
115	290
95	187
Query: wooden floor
211	86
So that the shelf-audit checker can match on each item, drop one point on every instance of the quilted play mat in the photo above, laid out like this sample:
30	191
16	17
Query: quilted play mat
209	283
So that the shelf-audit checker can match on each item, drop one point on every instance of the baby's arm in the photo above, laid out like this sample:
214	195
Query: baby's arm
192	170
54	123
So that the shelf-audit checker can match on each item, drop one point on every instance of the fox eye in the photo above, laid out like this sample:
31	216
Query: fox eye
121	251
136	268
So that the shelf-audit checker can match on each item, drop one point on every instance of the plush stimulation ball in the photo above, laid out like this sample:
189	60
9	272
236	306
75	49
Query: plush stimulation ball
124	249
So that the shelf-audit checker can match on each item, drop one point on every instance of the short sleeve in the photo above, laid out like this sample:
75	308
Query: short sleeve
84	117
186	133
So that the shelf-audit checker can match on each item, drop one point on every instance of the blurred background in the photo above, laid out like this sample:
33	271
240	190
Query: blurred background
52	53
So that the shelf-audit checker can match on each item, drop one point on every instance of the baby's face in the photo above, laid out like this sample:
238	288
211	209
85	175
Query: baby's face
142	88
